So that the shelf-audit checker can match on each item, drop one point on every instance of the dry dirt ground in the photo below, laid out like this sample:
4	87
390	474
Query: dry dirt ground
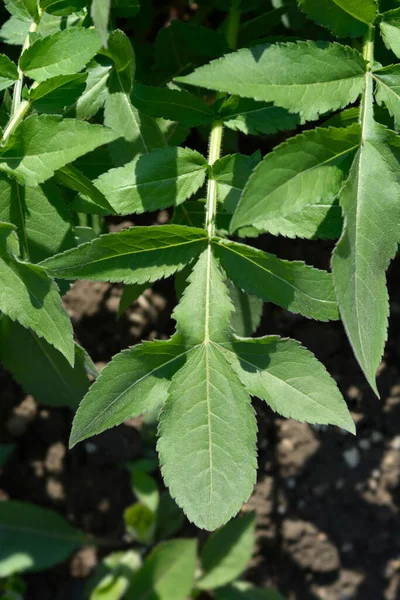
327	503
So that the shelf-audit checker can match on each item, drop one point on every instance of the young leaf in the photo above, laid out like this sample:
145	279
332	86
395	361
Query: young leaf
309	78
156	180
215	473
31	361
62	8
344	17
28	295
390	30
33	538
43	144
251	117
135	255
168	572
8	72
368	243
174	105
290	379
227	552
31	210
100	13
62	53
388	89
308	169
55	94
292	285
242	590
134	382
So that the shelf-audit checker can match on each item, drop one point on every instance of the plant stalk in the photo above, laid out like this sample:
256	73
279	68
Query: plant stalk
367	104
19	107
214	155
233	24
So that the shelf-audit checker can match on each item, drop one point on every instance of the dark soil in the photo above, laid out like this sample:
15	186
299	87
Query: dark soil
327	503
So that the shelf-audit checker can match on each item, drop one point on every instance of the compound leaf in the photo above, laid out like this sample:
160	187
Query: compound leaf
368	242
290	379
28	295
292	285
134	382
308	169
62	53
343	17
135	255
43	144
309	78
251	117
161	178
31	360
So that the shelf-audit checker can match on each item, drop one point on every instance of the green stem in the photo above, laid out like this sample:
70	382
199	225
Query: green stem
19	107
214	155
367	104
233	24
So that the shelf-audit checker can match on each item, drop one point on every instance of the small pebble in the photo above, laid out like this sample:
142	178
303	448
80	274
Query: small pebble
352	457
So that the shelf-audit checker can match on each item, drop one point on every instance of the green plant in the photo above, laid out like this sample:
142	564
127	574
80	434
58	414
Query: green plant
202	378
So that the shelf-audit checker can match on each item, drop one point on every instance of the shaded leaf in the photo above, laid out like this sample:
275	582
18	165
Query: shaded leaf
344	17
55	94
8	72
390	29
251	117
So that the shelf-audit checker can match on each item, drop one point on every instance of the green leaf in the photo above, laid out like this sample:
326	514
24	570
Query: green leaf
226	553
248	311
139	132
290	379
31	360
8	72
135	255
170	517
390	30
308	169
125	8
121	52
62	8
388	89
175	105
309	78
368	243
140	523
161	178
261	25
112	577
62	53
95	94
15	30
251	117
28	295
292	285
207	437
145	489
242	590
23	9
43	144
168	572
129	295
134	382
55	94
72	178
33	538
343	17
31	210
191	213
100	13
231	174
